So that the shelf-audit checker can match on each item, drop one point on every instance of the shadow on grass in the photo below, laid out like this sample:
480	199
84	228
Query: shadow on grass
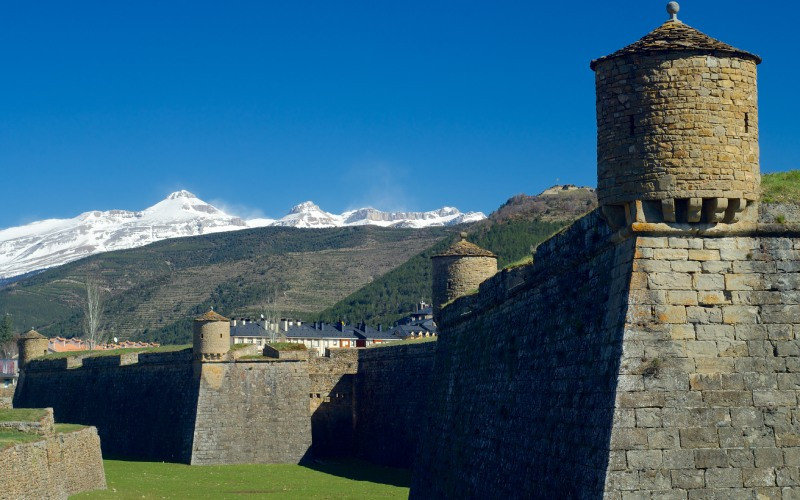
358	470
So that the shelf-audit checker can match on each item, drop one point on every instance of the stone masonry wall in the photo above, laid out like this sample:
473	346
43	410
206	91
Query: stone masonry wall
710	373
525	373
370	403
391	402
252	412
671	361
331	402
675	125
144	409
57	466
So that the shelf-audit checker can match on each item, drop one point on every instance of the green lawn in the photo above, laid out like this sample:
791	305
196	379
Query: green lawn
21	414
10	438
331	480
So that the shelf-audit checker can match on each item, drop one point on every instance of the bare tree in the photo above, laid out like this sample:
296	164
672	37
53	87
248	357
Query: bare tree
271	315
93	314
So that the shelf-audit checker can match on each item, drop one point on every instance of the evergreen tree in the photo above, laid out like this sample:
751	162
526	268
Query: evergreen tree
6	336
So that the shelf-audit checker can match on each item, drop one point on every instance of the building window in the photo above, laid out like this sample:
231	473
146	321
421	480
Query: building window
747	123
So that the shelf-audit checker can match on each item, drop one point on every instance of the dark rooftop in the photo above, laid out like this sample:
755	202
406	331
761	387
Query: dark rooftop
211	316
674	36
464	248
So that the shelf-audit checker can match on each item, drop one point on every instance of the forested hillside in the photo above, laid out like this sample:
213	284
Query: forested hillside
388	298
153	292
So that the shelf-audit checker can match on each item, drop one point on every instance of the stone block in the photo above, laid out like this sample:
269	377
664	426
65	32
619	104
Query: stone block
768	457
787	476
740	314
723	478
670	314
709	458
663	439
687	478
711	298
644	459
685	266
699	437
670	281
670	254
709	282
744	282
760	476
682	297
704	255
715	332
774	398
629	439
791	456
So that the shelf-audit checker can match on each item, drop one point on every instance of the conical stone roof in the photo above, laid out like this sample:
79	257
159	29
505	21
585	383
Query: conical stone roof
675	36
32	334
464	248
211	316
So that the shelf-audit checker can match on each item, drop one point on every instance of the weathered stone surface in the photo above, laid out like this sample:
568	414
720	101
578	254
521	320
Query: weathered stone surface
705	401
56	467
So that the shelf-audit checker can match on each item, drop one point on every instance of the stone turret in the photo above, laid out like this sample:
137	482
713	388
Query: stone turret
212	337
677	129
31	345
459	270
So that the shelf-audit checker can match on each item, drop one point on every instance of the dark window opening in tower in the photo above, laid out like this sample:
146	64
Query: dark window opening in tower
631	126
747	123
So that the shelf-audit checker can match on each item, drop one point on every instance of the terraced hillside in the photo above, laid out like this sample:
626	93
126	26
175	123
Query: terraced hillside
152	291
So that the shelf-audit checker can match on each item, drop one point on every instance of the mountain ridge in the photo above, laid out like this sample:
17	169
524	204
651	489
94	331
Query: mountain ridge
53	242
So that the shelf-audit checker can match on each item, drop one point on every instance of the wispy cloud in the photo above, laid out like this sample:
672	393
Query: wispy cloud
238	210
381	185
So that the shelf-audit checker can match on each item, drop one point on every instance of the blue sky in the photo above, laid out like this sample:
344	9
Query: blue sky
399	105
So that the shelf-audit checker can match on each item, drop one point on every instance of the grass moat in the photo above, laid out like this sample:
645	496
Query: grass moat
335	479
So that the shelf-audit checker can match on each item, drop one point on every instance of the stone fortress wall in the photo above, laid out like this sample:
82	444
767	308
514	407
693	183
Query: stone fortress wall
171	407
623	364
651	350
59	465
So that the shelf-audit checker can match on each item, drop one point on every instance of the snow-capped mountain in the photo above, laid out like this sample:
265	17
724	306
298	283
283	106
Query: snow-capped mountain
53	242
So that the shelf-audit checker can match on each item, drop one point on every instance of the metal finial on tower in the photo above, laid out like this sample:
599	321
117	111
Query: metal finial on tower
672	10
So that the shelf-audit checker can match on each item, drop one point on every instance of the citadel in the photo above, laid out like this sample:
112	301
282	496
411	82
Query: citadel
650	350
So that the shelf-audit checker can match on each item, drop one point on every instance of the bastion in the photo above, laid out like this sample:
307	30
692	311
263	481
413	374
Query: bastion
652	348
40	459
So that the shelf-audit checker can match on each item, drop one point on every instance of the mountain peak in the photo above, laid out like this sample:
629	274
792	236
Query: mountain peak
306	206
181	194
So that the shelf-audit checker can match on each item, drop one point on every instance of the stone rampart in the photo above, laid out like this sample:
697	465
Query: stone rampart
56	467
371	403
522	392
252	412
391	401
165	406
652	361
143	410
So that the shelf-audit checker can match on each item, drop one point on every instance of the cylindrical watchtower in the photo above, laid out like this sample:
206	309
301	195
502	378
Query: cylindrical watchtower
459	270
212	337
677	128
31	345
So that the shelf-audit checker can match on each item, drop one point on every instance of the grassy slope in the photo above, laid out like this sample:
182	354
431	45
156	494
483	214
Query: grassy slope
334	480
781	187
155	290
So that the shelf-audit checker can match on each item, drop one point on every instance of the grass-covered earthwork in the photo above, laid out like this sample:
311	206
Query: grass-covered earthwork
330	480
